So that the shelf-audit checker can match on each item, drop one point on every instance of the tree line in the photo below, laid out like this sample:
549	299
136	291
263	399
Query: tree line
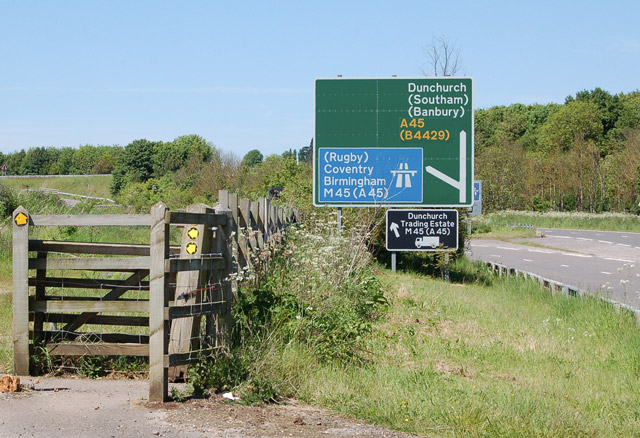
581	155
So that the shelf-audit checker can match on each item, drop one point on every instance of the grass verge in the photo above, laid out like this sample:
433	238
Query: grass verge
501	360
488	357
506	220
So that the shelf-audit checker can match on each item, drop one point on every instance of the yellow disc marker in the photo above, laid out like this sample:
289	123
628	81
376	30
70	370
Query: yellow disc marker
21	219
191	248
193	233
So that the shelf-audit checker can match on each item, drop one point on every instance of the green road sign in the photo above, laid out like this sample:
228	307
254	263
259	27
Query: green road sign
401	142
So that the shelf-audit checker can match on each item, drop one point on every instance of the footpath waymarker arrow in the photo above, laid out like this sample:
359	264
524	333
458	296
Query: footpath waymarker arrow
462	184
394	227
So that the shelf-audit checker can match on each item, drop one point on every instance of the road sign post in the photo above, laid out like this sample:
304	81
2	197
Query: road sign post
393	142
422	230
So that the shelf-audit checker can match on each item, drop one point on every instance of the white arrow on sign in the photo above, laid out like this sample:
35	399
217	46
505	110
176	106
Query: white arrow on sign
462	184
394	227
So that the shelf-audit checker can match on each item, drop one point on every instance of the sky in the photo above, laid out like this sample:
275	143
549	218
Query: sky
241	74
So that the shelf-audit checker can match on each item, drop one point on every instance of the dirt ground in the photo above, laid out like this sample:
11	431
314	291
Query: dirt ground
63	407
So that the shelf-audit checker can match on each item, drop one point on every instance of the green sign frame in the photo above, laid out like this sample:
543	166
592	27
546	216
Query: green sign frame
369	131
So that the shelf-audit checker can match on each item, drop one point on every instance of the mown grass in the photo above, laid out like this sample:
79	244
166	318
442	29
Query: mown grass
504	220
97	186
494	357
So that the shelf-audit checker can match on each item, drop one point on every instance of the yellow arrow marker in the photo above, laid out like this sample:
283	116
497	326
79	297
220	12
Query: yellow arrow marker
193	233
21	219
191	248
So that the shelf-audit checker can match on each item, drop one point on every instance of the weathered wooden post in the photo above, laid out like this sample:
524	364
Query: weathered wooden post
196	241
21	291
158	326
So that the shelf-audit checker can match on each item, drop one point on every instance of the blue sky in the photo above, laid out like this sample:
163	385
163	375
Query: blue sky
241	74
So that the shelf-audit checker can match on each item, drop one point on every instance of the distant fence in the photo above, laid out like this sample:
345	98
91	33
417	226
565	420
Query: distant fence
72	298
558	287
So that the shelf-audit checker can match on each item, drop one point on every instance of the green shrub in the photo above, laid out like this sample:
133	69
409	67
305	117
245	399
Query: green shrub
8	201
311	294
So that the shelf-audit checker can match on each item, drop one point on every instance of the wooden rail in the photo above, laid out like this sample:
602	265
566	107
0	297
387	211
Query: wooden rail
177	298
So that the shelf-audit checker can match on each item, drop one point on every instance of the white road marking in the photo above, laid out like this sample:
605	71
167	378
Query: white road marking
527	260
576	255
563	237
624	244
583	238
604	241
495	255
565	266
605	272
506	247
618	260
625	236
479	246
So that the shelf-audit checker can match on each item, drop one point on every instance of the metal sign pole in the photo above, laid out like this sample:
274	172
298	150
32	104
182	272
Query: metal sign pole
446	267
393	261
339	219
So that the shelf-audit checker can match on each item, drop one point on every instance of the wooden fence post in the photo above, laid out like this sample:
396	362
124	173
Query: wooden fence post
21	291
244	224
185	330
159	240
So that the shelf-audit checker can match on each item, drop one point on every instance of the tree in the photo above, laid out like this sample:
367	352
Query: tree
134	164
171	156
37	161
252	158
306	153
575	120
443	57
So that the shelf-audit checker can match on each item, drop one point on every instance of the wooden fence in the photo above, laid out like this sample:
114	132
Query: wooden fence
173	301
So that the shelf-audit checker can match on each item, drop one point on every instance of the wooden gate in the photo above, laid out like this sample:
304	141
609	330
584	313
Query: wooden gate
170	303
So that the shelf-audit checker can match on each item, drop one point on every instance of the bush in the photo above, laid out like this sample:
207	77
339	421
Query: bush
312	296
8	201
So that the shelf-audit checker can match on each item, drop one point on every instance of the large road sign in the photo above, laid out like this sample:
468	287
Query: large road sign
422	230
400	142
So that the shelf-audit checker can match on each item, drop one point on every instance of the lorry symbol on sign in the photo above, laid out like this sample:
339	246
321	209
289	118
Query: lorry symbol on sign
425	241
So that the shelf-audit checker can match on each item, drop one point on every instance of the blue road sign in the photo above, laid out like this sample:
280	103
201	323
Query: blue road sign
370	175
476	191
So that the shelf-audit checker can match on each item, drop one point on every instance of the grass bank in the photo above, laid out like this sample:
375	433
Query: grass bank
497	359
97	186
486	356
512	220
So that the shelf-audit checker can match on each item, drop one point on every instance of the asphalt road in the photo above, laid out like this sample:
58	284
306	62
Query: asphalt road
606	263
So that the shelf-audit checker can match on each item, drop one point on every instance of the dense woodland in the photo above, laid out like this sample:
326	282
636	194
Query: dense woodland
581	155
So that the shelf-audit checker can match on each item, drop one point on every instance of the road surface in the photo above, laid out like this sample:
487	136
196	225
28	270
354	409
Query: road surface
605	263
